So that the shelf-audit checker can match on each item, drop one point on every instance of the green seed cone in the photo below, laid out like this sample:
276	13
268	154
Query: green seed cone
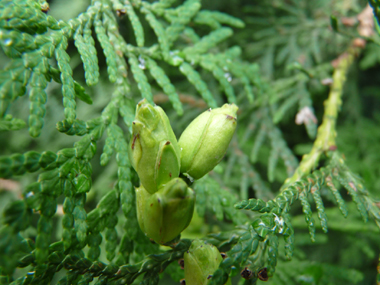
205	141
166	213
153	149
201	261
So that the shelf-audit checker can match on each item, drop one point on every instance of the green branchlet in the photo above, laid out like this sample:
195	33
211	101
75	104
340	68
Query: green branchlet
164	82
194	77
277	220
140	77
11	124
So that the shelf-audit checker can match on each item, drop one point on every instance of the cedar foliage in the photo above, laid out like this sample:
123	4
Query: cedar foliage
296	197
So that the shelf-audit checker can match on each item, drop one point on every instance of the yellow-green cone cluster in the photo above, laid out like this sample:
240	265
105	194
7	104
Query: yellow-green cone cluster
201	261
165	203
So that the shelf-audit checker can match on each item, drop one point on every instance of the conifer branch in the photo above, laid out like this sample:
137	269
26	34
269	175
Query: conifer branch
169	51
326	135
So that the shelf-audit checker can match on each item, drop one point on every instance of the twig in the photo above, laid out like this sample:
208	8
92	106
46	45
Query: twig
184	98
10	185
325	140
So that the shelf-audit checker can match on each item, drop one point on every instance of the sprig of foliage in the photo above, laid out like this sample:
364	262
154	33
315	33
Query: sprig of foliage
298	186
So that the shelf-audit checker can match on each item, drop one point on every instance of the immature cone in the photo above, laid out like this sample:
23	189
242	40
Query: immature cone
205	141
201	261
166	213
153	149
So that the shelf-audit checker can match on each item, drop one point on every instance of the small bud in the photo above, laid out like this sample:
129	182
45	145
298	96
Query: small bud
327	81
166	213
246	273
120	12
205	141
201	261
45	7
181	263
153	148
263	274
305	116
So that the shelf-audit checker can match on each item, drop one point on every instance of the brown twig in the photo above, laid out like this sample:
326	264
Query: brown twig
184	98
11	185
